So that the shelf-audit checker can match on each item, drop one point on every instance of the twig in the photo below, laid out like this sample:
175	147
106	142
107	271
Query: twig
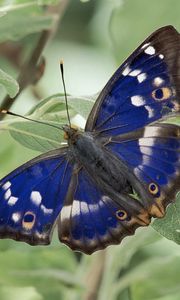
95	275
31	71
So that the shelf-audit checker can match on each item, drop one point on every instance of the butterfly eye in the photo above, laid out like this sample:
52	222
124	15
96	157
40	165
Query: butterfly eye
28	220
153	188
161	93
121	214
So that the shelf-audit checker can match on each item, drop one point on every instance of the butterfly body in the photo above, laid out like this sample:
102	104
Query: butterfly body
115	176
89	153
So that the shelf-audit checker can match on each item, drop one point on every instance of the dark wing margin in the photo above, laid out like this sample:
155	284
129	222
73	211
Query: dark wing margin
130	99
32	196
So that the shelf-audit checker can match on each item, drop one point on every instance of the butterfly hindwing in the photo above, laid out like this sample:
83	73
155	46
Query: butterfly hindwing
144	89
90	220
153	154
32	197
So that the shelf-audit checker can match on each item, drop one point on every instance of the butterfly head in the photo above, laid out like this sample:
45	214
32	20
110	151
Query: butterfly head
70	133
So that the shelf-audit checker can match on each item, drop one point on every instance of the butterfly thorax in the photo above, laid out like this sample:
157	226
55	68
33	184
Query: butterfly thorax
103	167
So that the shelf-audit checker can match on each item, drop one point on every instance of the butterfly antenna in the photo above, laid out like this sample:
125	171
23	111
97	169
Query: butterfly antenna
64	87
7	112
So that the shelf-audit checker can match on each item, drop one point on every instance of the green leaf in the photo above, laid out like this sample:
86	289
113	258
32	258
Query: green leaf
67	278
9	83
157	278
30	2
54	103
21	21
169	226
51	110
174	296
51	269
34	136
81	105
48	2
2	14
118	259
17	293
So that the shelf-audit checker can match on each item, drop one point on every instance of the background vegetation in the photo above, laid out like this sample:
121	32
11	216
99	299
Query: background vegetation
93	38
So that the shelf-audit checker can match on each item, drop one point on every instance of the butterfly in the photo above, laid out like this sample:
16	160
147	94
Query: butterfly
88	188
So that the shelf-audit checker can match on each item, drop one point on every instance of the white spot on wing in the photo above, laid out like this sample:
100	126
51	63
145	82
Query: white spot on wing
146	150
150	111
150	50
94	207
135	73
105	198
12	200
36	197
81	207
6	185
84	207
161	56
7	194
137	172
146	161
144	142
152	131
141	77
16	217
46	210
65	212
145	45
149	136
137	100
76	208
126	71
158	81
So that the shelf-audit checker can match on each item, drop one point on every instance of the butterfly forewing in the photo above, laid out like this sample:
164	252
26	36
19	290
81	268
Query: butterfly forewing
144	89
32	197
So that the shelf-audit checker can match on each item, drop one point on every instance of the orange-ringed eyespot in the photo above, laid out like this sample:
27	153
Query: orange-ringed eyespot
28	220
153	188
121	215
162	93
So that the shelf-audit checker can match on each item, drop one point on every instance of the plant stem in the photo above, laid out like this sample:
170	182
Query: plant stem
95	275
32	71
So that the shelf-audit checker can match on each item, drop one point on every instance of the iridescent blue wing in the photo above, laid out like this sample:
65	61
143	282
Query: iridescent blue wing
153	156
90	220
32	197
144	89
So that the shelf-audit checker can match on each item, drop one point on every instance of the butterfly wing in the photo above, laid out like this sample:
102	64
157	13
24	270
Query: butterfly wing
90	220
153	155
32	197
144	89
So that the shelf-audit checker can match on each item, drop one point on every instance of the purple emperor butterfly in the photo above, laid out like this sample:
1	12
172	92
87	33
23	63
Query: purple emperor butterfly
88	188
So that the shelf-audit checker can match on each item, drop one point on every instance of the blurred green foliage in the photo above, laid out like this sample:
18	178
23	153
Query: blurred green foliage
93	37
